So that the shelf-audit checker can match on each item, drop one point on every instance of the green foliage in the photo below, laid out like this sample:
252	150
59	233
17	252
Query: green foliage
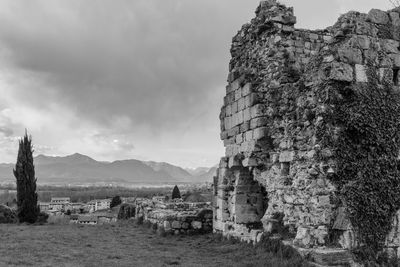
139	220
7	215
366	148
176	193
115	201
42	218
276	247
24	172
126	211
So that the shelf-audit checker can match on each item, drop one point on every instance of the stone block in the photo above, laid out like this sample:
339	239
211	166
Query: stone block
250	162
361	41
361	75
250	217
185	225
257	111
233	75
284	19
286	156
350	55
324	201
240	117
176	225
327	38
365	28
245	125
235	85
167	225
248	146
234	131
238	94
258	122
239	138
249	136
390	46
241	105
341	72
234	162
229	141
197	225
260	133
223	163
378	16
303	236
228	110
223	135
228	123
234	107
247	89
241	199
396	60
246	114
328	59
395	18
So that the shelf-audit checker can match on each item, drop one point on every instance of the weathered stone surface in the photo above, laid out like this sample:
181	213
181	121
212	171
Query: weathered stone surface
378	16
341	72
395	18
361	75
278	171
286	156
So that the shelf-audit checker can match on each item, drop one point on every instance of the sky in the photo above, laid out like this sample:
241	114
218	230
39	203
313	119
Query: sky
124	79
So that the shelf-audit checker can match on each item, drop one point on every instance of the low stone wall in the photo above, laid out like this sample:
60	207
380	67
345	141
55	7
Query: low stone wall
177	218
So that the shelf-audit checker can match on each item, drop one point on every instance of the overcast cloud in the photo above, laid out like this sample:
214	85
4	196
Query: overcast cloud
126	79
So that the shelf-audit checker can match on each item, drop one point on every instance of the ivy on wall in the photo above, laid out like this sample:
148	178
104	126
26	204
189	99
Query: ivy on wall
366	145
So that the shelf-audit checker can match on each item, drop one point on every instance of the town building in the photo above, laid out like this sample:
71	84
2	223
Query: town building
86	219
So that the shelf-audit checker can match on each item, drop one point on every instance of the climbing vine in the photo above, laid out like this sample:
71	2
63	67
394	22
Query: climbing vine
367	119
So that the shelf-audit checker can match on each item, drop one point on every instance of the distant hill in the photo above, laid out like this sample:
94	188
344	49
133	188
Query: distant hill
79	169
208	176
198	171
173	171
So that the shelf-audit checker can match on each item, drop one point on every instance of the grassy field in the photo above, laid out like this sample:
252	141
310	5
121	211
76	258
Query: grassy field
123	245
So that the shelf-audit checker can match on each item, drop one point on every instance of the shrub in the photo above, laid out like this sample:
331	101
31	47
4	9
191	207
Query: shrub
147	224
42	218
154	227
139	220
276	246
161	231
7	215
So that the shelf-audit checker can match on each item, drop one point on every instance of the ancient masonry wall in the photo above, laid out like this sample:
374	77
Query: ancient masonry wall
275	172
176	218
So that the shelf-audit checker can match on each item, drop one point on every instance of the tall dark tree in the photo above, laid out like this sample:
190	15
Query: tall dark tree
24	172
176	193
115	201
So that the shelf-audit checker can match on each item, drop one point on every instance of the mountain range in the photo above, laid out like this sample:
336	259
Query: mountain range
81	169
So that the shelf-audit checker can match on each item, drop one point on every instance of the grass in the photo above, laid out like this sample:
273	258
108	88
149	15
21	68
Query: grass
124	244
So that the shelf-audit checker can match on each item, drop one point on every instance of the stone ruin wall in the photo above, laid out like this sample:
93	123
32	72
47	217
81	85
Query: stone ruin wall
274	173
176	218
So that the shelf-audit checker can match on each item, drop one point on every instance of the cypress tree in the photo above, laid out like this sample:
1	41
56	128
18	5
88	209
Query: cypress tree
176	193
24	172
115	201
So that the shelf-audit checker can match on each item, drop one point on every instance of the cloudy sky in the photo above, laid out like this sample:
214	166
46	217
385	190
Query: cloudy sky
126	78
